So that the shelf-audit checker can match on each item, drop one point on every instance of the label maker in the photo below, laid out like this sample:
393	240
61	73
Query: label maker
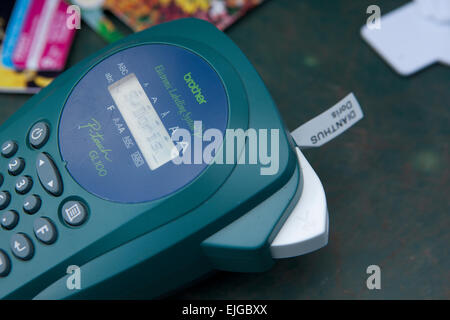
89	181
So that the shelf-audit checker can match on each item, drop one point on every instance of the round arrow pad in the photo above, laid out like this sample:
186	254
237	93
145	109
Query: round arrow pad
48	174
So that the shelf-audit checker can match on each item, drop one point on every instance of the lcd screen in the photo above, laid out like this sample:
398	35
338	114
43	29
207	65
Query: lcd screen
143	121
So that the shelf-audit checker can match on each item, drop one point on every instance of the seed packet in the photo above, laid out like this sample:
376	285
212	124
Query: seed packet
142	14
18	81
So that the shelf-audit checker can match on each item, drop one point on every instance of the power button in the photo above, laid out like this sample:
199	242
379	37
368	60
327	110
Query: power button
39	134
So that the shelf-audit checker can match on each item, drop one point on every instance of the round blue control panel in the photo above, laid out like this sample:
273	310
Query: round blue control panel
130	126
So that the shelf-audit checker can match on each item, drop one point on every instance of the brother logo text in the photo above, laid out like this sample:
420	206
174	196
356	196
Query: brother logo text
195	89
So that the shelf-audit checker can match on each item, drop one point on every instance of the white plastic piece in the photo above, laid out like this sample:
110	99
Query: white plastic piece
329	124
413	36
306	228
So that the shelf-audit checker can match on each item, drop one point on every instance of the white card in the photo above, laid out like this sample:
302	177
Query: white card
409	40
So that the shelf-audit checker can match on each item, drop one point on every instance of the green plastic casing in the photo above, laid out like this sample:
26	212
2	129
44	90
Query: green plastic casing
223	220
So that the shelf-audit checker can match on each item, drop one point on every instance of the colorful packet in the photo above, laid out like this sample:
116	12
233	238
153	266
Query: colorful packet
14	27
13	81
142	14
45	39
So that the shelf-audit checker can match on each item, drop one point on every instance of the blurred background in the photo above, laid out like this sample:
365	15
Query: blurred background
387	179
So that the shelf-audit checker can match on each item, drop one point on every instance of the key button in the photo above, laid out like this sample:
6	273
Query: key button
16	166
38	135
32	204
9	148
45	230
5	264
21	246
9	219
74	213
5	199
23	184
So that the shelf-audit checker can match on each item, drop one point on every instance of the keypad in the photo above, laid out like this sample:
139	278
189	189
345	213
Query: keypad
9	219
5	264
23	184
21	246
32	204
39	135
9	148
16	166
44	230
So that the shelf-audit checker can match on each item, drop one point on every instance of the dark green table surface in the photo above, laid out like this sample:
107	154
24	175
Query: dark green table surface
386	179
